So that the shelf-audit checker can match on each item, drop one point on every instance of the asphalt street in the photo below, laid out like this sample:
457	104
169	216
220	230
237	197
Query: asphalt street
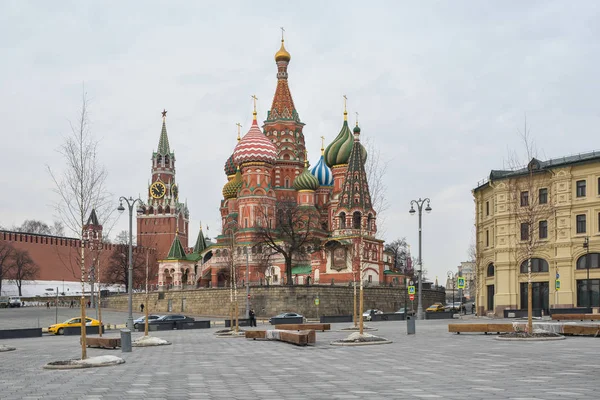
431	364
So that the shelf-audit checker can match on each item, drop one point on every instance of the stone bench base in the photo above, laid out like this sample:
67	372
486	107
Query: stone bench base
104	343
299	338
300	327
480	328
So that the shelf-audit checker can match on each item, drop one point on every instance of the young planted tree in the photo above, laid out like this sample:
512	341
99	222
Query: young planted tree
6	255
23	269
530	191
292	236
80	187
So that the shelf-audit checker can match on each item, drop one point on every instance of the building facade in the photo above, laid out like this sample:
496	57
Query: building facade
268	167
541	224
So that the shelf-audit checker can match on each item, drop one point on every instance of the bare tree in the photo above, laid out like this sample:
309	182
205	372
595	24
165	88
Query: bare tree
530	191
293	236
399	249
80	188
118	264
6	255
376	168
23	268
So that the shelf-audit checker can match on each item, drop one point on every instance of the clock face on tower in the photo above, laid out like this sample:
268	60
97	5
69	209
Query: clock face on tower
157	190
175	191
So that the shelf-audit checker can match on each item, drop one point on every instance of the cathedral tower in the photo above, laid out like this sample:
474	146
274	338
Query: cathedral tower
163	215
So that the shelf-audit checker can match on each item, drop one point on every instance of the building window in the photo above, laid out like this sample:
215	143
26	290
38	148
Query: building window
487	238
543	229
524	199
537	265
342	220
588	294
594	261
487	208
581	224
524	231
490	270
543	196
599	186
490	297
581	188
539	296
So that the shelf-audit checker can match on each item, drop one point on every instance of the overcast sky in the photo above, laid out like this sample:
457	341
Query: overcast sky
441	89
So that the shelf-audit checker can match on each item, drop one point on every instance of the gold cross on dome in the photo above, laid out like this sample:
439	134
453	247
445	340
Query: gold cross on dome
254	98
345	100
282	31
322	142
356	118
239	128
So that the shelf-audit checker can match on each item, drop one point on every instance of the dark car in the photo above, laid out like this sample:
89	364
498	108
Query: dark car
286	315
174	318
142	320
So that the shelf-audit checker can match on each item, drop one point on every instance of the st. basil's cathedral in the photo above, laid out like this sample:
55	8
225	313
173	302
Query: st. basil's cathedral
269	166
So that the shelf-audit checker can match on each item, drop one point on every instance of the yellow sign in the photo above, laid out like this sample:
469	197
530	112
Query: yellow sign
317	301
411	290
461	282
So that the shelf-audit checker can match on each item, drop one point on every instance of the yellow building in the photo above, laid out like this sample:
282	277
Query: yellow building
549	213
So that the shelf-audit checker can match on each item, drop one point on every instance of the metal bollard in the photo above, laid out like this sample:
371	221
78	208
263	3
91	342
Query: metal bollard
125	341
410	325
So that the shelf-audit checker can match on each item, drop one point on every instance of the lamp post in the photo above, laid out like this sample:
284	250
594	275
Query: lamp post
419	204
130	204
452	276
586	246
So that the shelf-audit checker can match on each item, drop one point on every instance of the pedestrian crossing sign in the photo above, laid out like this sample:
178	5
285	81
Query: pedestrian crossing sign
411	290
461	282
557	284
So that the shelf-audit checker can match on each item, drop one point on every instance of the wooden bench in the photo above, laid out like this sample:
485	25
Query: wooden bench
102	342
299	338
576	317
581	330
480	328
300	327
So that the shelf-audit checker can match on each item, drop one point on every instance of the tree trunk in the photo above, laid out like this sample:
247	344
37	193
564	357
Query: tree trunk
529	299
288	271
19	284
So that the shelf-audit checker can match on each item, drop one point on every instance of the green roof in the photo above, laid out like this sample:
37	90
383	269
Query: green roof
301	269
200	245
176	252
163	143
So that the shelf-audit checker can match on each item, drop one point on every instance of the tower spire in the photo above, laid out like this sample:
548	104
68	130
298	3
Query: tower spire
163	142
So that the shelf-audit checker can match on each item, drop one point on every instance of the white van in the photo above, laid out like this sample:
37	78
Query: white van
14	302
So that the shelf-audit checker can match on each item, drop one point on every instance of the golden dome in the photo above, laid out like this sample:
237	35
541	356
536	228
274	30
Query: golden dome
282	54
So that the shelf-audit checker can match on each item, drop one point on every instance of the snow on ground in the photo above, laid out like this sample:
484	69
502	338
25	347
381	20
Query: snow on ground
149	341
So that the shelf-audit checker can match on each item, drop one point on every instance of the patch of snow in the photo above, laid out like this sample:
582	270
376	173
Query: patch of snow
149	341
6	348
358	336
100	360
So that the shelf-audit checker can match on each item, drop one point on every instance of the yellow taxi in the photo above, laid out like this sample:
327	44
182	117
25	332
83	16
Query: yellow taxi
58	329
435	307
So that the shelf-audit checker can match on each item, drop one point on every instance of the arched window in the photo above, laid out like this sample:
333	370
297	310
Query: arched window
594	261
342	220
537	265
356	220
370	222
490	270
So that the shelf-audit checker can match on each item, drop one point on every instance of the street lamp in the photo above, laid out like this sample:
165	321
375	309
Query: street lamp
419	204
586	246
452	276
130	204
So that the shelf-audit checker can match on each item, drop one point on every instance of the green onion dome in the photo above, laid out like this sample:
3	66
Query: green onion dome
229	166
231	188
306	180
338	152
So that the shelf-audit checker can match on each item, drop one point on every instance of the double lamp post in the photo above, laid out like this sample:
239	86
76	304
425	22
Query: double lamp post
419	203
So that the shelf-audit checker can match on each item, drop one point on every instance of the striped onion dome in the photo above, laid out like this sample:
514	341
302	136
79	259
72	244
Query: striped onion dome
229	166
231	188
322	172
338	152
254	146
306	180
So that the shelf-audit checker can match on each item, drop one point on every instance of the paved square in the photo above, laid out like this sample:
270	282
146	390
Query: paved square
431	364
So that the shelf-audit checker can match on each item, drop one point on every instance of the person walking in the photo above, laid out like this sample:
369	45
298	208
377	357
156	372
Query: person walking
473	308
252	316
142	307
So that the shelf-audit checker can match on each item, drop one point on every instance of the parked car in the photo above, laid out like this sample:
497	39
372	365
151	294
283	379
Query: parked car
4	302
403	311
454	307
142	320
59	329
174	318
367	314
435	307
286	315
14	302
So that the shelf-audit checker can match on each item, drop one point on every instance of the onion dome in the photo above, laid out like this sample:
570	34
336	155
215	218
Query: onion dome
322	172
229	166
231	188
282	54
306	180
254	147
338	152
